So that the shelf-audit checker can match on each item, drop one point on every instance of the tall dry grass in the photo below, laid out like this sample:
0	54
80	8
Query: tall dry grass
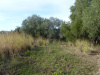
86	46
41	41
12	44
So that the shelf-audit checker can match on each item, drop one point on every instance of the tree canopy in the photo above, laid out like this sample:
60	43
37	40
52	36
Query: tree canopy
38	26
85	20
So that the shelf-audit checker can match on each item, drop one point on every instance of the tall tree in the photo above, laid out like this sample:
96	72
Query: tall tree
91	20
76	16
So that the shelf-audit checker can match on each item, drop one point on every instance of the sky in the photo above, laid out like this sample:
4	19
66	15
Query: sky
13	12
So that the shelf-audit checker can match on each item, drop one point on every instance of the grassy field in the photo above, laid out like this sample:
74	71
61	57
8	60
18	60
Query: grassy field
54	59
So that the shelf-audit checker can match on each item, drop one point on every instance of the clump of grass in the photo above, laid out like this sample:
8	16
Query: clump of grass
85	46
28	52
70	43
41	41
14	43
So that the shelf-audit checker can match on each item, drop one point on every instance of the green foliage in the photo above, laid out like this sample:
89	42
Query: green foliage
30	25
28	52
73	13
85	17
66	30
76	17
91	20
38	26
0	60
76	27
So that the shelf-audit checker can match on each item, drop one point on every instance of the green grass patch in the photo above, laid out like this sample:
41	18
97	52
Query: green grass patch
49	60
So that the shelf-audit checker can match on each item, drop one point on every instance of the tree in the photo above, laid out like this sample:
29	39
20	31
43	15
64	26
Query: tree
17	29
78	28
91	20
31	24
54	29
76	17
37	26
66	30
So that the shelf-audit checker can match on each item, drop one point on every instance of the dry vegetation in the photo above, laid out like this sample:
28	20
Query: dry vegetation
85	46
12	44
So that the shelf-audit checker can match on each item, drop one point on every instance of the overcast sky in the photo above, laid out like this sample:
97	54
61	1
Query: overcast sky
13	12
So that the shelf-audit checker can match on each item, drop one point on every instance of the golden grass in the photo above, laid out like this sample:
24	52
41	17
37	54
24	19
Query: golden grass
85	46
12	44
41	41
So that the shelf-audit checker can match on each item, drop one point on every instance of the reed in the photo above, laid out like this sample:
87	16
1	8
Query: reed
85	46
13	43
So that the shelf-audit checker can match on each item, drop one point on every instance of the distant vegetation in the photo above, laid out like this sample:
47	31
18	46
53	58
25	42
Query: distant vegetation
38	26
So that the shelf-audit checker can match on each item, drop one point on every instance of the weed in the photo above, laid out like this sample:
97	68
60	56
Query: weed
28	52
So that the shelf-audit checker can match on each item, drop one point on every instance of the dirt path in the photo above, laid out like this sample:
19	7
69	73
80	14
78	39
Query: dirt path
94	58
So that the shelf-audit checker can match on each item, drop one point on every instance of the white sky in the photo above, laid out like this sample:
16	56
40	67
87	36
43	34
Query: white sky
13	12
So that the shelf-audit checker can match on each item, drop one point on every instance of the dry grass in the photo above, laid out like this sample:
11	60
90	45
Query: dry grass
86	46
12	44
41	41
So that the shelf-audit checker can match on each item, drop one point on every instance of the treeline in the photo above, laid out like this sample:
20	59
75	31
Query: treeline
84	24
85	21
38	26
